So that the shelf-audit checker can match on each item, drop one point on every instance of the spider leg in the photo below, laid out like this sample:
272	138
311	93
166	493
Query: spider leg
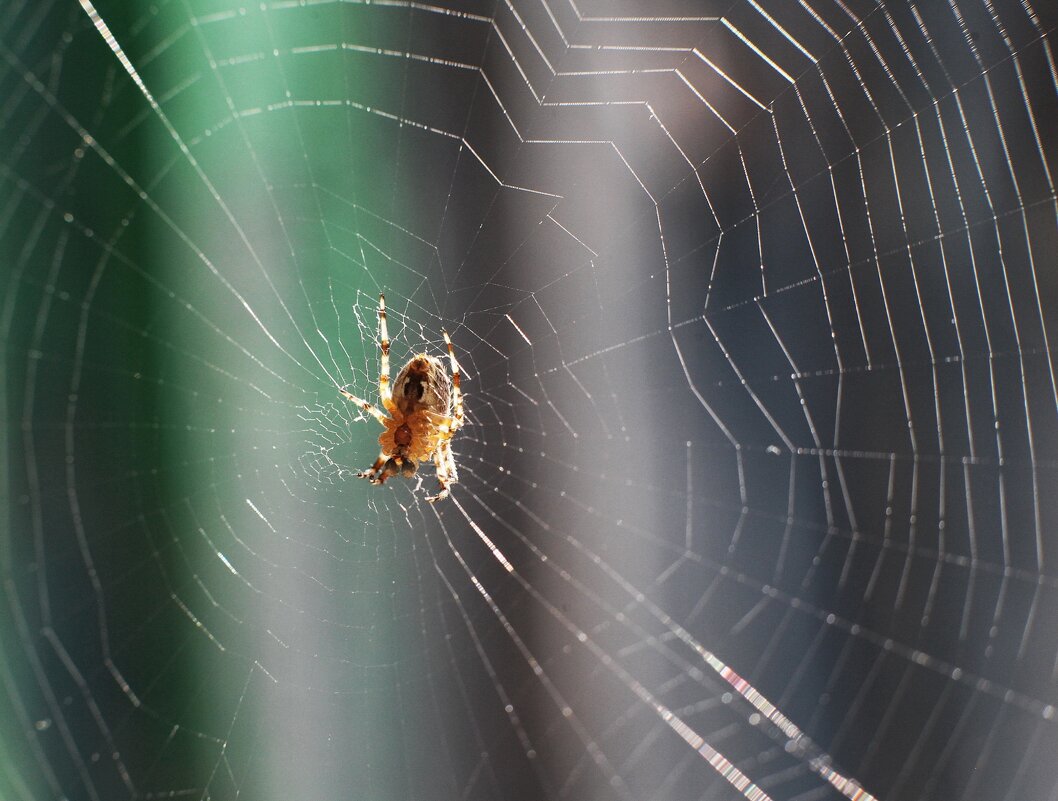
370	408
383	468
384	391
446	471
457	393
372	472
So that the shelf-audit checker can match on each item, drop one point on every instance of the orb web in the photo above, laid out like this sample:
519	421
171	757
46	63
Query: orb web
754	313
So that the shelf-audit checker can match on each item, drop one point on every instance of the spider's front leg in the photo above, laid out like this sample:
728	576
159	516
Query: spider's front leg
372	473
383	468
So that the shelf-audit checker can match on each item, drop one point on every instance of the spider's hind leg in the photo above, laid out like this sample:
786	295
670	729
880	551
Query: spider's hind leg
366	406
457	391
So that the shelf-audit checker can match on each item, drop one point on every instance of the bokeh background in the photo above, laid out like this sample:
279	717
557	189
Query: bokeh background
754	302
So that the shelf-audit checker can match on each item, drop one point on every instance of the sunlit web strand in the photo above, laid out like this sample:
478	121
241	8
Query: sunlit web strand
797	741
599	757
112	42
271	193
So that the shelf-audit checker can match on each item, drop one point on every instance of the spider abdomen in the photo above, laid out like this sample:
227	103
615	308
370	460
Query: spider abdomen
423	385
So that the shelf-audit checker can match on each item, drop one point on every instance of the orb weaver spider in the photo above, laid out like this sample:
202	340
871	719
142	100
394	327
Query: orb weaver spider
424	408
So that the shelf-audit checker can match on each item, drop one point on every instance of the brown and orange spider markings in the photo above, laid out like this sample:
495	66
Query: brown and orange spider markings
423	410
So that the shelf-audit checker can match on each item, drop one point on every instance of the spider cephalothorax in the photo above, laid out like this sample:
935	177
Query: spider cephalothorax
425	408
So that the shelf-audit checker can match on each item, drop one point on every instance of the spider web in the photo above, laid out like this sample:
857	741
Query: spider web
754	303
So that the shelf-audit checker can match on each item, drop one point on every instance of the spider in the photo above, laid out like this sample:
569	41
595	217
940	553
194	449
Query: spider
424	408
